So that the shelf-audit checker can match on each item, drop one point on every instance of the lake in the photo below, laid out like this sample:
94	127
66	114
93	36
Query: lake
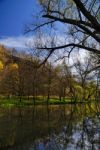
54	127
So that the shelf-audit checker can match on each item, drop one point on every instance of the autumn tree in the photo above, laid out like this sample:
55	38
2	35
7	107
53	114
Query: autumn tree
9	81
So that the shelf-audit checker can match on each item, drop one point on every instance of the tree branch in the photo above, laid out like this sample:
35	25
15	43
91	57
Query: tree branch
44	61
69	21
93	69
74	45
88	15
77	23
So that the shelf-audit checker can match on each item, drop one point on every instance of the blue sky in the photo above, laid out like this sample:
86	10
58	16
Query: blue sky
14	15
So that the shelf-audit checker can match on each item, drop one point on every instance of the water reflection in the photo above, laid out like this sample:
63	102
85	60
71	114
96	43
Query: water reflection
63	127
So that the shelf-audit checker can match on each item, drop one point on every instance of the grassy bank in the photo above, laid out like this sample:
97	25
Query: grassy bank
12	102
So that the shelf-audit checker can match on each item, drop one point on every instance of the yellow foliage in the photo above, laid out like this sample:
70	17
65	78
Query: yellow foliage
13	66
1	65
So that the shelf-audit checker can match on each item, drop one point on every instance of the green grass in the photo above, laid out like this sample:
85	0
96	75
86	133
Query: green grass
14	101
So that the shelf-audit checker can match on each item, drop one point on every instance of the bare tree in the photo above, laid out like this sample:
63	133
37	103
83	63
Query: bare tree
78	21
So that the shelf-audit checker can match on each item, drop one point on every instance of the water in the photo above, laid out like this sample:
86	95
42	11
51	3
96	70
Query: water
56	127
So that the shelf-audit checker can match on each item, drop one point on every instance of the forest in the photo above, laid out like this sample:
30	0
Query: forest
22	78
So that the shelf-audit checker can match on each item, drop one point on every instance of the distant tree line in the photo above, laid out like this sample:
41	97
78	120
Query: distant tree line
20	77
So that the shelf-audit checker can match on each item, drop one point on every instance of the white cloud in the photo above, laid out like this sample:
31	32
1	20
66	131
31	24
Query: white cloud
80	55
23	42
16	42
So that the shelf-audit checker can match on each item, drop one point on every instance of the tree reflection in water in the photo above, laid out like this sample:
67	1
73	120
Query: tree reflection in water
63	127
84	135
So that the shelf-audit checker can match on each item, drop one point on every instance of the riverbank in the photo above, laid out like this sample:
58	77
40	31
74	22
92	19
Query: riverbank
11	102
